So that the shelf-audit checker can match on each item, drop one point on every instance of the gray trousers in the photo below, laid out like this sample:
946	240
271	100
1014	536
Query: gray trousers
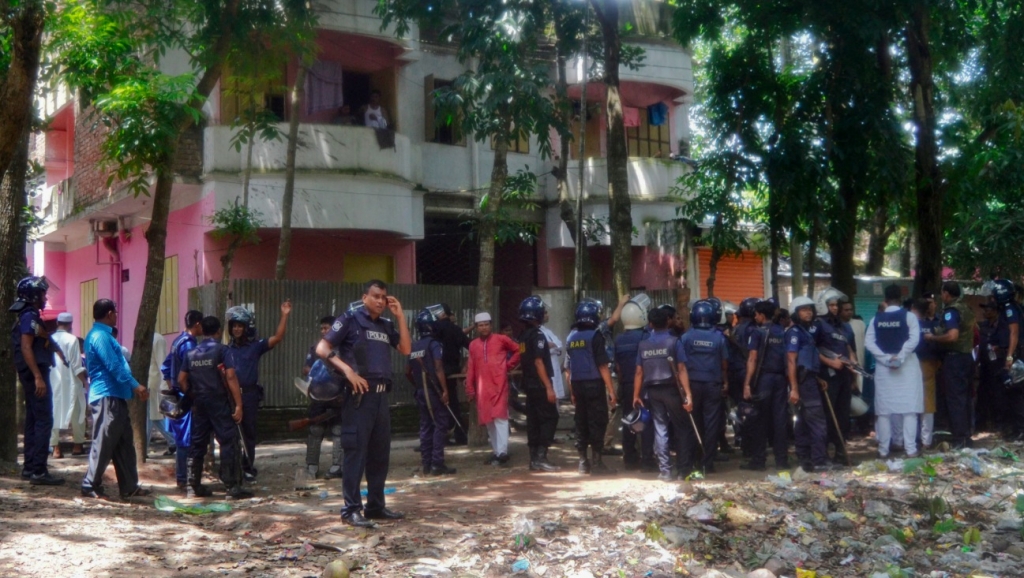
111	440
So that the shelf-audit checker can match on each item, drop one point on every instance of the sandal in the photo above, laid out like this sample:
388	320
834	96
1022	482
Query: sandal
57	454
77	450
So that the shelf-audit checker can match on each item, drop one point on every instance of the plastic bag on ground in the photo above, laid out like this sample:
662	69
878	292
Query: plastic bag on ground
165	504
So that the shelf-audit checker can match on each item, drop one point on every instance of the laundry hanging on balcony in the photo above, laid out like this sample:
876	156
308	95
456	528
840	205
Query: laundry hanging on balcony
323	87
657	114
630	117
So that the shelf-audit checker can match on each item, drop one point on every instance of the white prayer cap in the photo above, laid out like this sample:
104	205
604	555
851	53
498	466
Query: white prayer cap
484	317
65	317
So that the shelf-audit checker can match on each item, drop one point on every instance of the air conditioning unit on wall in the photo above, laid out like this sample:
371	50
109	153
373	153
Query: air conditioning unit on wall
104	228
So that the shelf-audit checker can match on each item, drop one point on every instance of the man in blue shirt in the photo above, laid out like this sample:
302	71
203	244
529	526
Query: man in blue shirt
175	360
244	353
111	386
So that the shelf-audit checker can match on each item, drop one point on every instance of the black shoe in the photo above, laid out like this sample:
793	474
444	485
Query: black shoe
584	468
182	486
542	464
26	475
753	467
611	452
441	470
384	514
334	473
198	491
238	493
492	460
356	519
95	493
46	480
170	452
138	492
502	459
666	477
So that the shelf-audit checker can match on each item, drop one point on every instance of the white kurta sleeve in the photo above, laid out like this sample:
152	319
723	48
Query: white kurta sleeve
869	341
74	356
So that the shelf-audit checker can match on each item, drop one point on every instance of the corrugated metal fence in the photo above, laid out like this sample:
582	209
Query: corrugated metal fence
312	300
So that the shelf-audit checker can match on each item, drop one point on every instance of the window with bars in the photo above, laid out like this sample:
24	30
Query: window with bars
648	140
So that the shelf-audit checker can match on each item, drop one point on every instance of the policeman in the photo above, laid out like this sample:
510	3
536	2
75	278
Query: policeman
634	323
1006	347
208	378
803	365
957	342
535	361
245	351
364	340
317	431
590	385
33	357
705	354
835	336
661	386
426	371
171	367
765	386
737	340
676	324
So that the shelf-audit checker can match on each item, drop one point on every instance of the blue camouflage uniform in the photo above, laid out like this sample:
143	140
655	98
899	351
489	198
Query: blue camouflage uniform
703	352
770	393
38	410
435	421
181	427
811	430
626	346
658	355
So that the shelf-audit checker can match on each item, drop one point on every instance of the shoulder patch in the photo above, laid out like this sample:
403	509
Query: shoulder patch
338	324
541	343
949	316
794	339
1009	311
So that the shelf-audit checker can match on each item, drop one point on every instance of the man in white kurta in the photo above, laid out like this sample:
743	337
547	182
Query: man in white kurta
155	383
892	337
68	391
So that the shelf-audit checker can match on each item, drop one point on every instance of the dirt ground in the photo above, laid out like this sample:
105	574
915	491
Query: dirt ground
461	525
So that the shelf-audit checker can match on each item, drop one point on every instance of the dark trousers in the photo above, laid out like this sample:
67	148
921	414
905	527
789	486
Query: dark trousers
38	421
630	455
957	370
433	427
666	406
1015	409
541	418
840	393
317	432
591	414
112	440
212	416
770	423
250	406
811	429
993	404
709	410
366	438
455	403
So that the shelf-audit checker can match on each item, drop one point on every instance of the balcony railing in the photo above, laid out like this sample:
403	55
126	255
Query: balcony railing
649	178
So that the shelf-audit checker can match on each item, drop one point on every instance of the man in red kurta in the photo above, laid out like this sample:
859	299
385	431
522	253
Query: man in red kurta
491	355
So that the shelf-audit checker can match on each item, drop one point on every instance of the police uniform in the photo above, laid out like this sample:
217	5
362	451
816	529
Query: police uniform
435	421
737	371
365	344
1002	399
958	369
541	415
771	394
657	355
587	353
703	351
38	410
211	413
811	430
181	427
318	431
626	346
836	338
245	358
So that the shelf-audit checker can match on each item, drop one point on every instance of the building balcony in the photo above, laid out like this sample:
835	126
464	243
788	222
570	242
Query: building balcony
650	179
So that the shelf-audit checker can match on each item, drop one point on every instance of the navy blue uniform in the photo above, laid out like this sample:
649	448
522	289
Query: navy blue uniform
811	429
365	344
587	353
38	410
957	371
435	421
541	415
837	337
211	412
703	351
245	358
770	394
453	340
318	431
626	346
658	355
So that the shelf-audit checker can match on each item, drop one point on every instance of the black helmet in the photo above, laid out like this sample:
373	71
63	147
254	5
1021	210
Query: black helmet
746	308
239	314
1002	290
588	312
702	315
32	289
532	309
425	321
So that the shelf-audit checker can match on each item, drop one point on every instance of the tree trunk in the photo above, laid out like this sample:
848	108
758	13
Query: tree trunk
284	247
247	174
226	261
12	266
566	209
485	281
905	258
877	241
796	265
18	85
927	179
619	212
843	241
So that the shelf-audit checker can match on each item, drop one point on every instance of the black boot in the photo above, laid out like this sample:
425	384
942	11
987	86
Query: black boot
584	462
599	468
533	459
542	461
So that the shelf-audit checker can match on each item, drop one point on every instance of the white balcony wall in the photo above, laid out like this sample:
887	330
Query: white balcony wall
357	17
649	179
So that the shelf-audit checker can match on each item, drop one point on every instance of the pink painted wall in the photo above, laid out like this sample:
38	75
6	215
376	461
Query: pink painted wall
652	269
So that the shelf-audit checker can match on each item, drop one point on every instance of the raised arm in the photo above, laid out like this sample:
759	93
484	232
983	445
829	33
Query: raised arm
282	325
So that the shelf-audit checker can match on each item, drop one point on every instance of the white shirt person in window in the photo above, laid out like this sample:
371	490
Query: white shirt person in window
375	116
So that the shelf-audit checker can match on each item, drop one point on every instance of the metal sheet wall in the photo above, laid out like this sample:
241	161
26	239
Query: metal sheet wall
312	300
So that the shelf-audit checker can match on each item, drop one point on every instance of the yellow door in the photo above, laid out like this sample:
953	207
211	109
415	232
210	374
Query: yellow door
167	315
361	268
88	294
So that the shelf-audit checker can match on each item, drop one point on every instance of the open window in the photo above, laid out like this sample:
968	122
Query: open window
440	129
238	94
592	145
647	140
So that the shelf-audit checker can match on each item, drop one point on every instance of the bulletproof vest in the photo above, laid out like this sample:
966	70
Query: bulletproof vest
774	357
40	344
421	361
626	346
655	353
204	377
925	350
965	341
738	349
891	331
580	348
372	347
803	339
703	348
832	336
528	355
